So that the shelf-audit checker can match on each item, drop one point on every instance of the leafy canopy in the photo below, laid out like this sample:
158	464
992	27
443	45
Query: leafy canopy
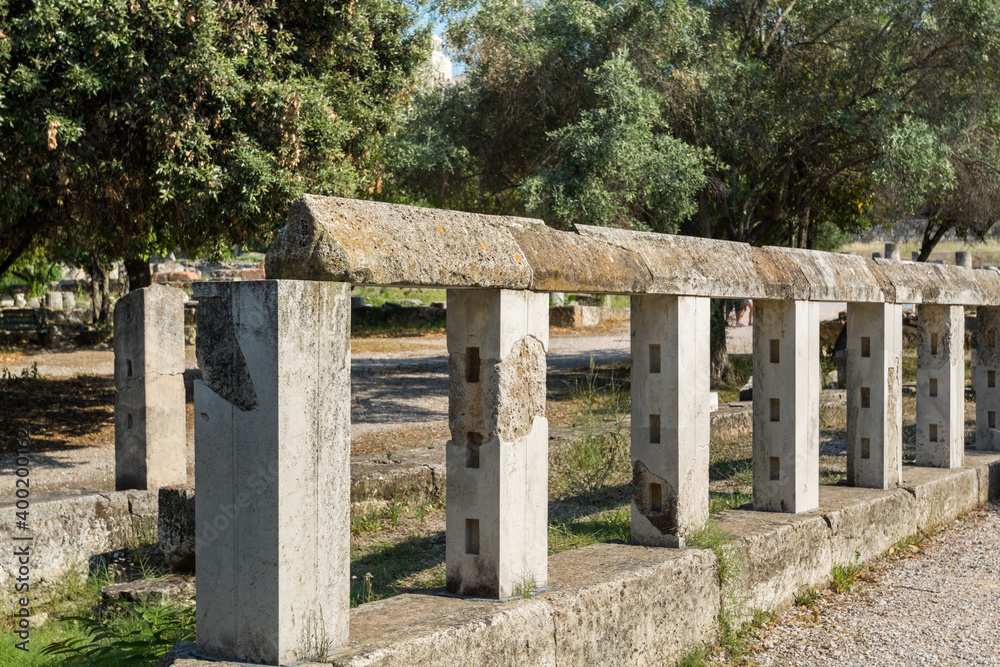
131	127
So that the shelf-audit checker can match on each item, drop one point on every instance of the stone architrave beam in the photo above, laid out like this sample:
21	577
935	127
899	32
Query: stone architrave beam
374	243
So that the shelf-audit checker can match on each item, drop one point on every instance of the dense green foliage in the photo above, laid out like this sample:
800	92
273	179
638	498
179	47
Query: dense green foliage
753	120
134	127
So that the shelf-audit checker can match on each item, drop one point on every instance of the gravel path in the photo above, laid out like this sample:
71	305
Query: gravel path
939	605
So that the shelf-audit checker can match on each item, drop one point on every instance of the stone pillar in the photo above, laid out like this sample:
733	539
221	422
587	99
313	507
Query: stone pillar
670	418
940	386
915	255
986	368
963	258
272	427
785	406
54	300
874	397
892	251
497	458
150	430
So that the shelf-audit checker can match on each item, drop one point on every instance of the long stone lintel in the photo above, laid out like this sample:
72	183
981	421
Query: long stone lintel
374	243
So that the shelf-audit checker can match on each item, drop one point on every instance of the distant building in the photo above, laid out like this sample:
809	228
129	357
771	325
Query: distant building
438	69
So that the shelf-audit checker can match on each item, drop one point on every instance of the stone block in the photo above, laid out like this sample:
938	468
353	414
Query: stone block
176	526
149	404
985	372
786	406
497	458
940	386
54	300
940	495
874	395
670	418
272	427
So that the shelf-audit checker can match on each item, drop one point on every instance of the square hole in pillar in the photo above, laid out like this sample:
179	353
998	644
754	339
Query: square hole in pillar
128	368
775	351
932	387
654	358
991	379
776	409
932	432
129	420
654	429
866	448
866	397
473	442
775	468
991	337
472	362
934	344
991	419
472	537
866	346
655	497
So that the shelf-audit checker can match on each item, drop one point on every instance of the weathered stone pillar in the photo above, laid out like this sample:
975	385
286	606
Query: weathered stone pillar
940	386
497	497
892	251
272	433
986	368
874	397
670	418
785	406
963	258
150	429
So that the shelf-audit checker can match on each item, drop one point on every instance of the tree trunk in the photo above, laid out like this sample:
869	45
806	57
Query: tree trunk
722	369
139	275
100	290
105	295
930	239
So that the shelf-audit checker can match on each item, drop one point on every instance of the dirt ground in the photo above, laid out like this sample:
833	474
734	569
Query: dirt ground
399	400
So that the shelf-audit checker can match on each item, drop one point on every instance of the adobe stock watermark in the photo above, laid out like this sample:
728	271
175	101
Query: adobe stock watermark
228	512
23	538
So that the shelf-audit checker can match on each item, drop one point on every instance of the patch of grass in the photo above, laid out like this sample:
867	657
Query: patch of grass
742	370
126	635
807	597
377	296
711	537
26	374
386	569
596	463
845	574
610	526
694	658
720	501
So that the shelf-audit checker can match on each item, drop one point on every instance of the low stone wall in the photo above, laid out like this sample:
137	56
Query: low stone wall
576	316
629	605
68	528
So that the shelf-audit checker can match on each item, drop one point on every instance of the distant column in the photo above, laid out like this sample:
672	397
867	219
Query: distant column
670	418
892	251
785	406
963	258
273	434
874	397
940	386
497	459
150	429
986	370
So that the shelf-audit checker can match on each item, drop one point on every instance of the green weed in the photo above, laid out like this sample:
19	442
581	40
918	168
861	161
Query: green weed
694	658
807	597
845	574
609	526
